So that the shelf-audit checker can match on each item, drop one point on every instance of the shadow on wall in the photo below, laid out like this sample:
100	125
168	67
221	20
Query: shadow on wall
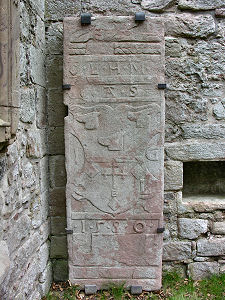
56	113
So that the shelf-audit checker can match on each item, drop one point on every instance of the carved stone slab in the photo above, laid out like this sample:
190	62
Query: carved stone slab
114	150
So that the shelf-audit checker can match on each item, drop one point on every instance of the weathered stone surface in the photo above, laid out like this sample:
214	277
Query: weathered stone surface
219	111
218	228
173	175
58	225
211	247
58	9
54	71
45	280
196	151
136	290
56	140
156	5
54	36
41	108
200	270
57	111
180	251
105	7
60	270
90	289
209	131
58	247
37	60
4	260
192	228
188	25
27	111
220	13
173	47
57	171
57	202
202	203
200	4
114	159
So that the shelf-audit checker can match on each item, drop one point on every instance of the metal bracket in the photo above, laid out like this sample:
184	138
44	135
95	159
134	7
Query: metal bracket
139	17
85	19
68	231
66	87
136	289
162	86
160	229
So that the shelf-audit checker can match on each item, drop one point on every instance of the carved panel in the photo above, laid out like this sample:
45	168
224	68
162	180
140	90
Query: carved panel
114	149
9	74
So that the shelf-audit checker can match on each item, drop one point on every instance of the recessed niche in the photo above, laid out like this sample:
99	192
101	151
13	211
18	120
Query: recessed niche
204	178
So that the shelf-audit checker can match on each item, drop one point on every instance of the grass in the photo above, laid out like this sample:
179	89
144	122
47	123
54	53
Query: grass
174	288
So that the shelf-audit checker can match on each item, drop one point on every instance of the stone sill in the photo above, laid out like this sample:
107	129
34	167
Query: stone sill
204	203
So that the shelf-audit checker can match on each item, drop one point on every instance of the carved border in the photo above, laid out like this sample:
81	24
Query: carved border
9	71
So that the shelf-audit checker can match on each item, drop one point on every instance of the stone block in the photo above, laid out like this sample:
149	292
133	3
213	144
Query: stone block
36	144
211	247
203	131
4	260
58	225
173	175
200	4
90	289
156	5
218	228
54	71
54	38
37	63
39	7
45	280
58	9
192	228
56	140
136	289
196	151
43	256
219	111
125	7
60	270
27	102
43	174
39	209
200	270
176	251
220	13
188	25
19	229
57	202
58	248
202	203
40	33
173	47
41	107
57	171
56	109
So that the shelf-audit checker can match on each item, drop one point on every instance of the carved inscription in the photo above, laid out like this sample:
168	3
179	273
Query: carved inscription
114	149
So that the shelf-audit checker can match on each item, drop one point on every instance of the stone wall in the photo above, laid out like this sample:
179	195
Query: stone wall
25	269
195	114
